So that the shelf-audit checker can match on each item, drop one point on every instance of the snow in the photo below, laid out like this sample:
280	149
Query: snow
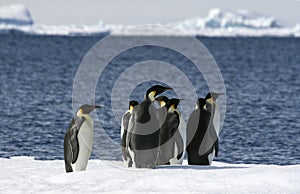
15	15
24	174
216	23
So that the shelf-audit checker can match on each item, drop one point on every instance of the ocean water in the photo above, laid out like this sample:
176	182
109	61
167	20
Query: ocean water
261	76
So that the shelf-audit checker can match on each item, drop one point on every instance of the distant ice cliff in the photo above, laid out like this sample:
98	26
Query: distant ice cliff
15	15
229	19
216	23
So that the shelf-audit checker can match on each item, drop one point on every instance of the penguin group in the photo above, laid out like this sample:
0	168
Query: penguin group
151	135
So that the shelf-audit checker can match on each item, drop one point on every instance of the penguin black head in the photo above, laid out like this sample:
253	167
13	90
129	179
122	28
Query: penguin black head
174	102
162	100
132	104
155	90
213	95
200	102
87	109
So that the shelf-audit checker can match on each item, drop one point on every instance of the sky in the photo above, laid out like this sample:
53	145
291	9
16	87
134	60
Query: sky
148	11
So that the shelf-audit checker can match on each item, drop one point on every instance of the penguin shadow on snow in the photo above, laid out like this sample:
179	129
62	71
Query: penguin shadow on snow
196	167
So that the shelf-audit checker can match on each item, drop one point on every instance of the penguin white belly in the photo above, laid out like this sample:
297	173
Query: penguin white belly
217	120
122	124
174	160
85	140
131	153
211	156
216	123
182	131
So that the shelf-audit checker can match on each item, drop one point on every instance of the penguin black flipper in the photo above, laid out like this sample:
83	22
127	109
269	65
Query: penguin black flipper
142	112
192	126
74	138
68	155
210	139
169	139
161	115
217	147
71	145
179	142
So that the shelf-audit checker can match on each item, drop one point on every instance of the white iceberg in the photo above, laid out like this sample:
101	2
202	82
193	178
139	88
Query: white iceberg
216	23
24	174
217	19
234	23
15	15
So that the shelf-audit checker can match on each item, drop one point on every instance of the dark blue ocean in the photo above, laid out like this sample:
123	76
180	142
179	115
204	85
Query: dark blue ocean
261	75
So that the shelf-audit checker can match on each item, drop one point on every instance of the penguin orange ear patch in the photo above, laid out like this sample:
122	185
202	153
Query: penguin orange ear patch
162	103
151	95
210	100
80	112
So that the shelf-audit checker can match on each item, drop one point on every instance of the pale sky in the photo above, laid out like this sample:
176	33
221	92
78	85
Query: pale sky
148	11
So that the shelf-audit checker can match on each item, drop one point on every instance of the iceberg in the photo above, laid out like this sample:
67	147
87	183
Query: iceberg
24	174
217	23
15	15
217	19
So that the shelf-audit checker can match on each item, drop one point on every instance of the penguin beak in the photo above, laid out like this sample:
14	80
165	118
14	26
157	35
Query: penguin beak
166	89
217	95
94	107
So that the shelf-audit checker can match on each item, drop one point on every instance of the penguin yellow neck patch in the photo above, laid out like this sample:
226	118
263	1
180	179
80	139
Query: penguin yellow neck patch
130	107
151	95
210	100
80	112
172	108
162	103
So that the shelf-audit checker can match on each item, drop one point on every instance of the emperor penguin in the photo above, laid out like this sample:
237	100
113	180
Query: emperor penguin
142	141
124	127
182	132
78	141
203	131
172	143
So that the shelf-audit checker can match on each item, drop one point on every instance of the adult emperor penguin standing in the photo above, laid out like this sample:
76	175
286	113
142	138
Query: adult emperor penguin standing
165	150
182	131
78	141
142	142
124	127
172	143
203	130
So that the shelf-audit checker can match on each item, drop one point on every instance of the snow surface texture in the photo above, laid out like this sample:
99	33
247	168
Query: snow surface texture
15	15
216	23
24	174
